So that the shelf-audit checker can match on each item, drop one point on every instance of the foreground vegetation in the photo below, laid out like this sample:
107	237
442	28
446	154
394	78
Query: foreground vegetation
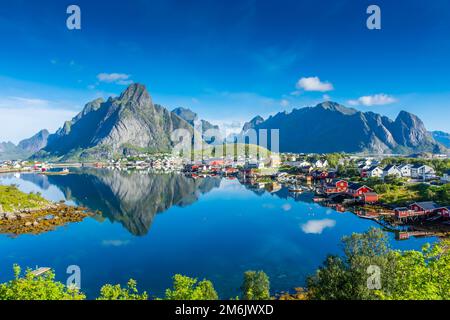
22	213
403	275
397	191
12	199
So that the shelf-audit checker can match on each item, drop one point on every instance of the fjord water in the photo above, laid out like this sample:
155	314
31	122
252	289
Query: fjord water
153	226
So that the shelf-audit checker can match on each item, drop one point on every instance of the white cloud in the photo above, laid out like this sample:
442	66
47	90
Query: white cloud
284	103
115	243
118	78
286	207
314	84
24	122
24	102
317	226
374	100
326	97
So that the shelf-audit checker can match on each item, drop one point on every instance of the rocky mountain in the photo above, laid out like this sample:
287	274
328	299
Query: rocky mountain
128	124
253	123
9	151
192	118
441	137
25	148
331	127
35	143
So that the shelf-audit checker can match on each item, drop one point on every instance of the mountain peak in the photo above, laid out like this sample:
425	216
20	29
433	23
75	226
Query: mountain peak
407	117
137	93
334	106
186	114
253	123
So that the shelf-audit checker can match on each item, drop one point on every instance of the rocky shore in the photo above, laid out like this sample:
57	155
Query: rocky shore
36	221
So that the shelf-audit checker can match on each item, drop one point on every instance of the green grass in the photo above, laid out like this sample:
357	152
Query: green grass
232	150
11	199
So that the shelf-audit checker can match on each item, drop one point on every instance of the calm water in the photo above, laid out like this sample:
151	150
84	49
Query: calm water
154	226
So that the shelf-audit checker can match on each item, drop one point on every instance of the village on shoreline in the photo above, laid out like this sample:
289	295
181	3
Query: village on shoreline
395	191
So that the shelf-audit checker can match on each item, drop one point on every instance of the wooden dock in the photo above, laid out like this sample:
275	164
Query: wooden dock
40	271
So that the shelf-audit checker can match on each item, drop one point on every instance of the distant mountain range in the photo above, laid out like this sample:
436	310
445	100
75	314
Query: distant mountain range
25	148
331	127
191	117
132	123
441	137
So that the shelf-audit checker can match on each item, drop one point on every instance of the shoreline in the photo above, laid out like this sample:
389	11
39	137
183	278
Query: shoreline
41	220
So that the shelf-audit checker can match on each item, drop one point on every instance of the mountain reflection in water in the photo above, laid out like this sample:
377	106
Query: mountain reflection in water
132	198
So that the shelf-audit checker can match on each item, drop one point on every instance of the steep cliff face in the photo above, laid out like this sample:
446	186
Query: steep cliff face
330	127
123	125
35	143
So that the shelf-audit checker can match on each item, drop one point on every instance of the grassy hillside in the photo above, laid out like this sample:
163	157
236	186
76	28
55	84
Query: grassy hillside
232	150
12	199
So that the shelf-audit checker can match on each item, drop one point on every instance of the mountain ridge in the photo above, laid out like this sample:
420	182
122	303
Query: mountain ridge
331	127
126	125
131	123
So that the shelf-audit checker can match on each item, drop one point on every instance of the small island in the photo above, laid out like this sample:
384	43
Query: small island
22	213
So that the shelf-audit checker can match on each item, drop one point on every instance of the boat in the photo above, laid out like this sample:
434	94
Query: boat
65	171
296	189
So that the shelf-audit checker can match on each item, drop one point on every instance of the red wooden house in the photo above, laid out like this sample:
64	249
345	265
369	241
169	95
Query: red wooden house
336	186
370	197
318	174
424	207
444	212
357	190
421	209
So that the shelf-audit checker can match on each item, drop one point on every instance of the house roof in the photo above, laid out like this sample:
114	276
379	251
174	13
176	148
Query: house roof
373	168
337	180
417	166
427	205
355	186
389	167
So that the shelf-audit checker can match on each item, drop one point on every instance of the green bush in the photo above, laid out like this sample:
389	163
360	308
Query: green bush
31	287
256	286
404	274
185	288
116	292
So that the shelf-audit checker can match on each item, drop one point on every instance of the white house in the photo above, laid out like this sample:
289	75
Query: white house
405	170
446	177
363	167
391	170
374	172
419	171
321	164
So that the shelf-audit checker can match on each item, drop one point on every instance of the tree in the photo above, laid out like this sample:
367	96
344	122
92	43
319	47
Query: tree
256	286
346	277
116	292
421	275
185	288
403	274
32	287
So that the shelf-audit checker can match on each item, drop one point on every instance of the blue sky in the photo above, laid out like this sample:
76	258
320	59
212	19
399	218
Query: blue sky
226	60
